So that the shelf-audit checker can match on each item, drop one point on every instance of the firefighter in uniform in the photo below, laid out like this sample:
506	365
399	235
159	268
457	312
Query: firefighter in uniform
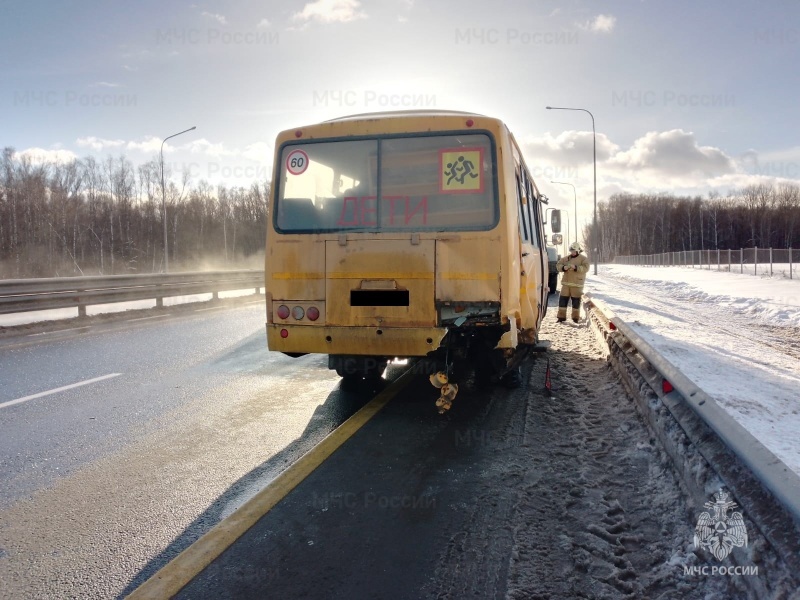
573	269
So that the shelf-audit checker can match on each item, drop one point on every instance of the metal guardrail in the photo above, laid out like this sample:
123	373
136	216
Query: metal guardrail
23	295
766	468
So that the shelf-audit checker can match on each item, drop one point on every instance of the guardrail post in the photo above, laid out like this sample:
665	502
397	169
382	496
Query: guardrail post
790	263
741	261
215	295
81	305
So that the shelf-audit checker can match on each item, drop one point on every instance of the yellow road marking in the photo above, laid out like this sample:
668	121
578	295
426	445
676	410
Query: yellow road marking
176	574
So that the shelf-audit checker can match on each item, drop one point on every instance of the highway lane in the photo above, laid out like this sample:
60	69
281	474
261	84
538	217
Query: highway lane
103	483
50	436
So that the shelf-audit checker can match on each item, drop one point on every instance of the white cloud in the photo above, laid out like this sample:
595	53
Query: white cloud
258	151
330	11
217	17
673	154
263	24
777	163
570	147
667	161
104	84
99	144
149	144
203	146
41	155
600	24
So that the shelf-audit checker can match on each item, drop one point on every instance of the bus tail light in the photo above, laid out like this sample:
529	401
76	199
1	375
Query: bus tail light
284	333
299	312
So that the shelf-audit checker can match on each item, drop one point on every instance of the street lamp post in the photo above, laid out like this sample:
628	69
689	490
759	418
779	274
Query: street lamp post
594	163
164	198
575	199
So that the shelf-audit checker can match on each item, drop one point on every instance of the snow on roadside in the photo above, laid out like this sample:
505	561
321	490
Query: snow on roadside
736	336
776	301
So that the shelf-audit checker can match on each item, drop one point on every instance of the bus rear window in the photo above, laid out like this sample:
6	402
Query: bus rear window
432	182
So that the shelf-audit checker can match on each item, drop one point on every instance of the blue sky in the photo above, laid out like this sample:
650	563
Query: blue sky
687	96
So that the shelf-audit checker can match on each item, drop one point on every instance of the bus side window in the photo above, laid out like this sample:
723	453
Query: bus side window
532	207
523	225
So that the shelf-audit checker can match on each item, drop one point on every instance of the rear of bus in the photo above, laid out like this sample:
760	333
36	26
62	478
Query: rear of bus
386	231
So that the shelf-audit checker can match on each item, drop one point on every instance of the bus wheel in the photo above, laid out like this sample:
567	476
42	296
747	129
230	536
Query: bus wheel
374	367
358	367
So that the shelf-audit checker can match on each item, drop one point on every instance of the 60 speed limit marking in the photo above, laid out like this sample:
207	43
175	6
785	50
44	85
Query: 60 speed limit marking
296	162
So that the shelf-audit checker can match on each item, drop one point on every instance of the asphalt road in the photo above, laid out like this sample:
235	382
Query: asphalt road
104	482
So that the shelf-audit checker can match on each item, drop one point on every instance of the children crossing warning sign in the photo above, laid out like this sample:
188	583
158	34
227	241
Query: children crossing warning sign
461	170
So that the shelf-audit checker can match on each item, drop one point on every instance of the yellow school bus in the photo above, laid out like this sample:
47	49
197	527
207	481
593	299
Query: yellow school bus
404	234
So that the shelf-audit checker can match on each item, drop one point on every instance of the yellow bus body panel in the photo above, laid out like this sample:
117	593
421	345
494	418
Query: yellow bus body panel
405	341
385	264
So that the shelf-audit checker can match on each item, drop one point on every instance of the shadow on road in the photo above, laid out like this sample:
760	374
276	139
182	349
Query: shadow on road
340	405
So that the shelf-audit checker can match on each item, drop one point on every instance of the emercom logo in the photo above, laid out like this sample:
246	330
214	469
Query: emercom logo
716	531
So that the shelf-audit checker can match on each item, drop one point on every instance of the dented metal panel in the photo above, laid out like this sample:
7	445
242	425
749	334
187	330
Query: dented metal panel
468	268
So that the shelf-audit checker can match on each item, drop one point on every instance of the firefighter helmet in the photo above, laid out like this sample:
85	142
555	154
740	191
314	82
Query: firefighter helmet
576	247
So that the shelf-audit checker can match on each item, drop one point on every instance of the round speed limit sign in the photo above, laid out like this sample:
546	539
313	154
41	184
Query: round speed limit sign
296	162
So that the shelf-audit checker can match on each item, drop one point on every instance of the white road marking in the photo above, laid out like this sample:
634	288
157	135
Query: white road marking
56	390
146	318
58	331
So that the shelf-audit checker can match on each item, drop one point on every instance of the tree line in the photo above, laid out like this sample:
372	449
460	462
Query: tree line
763	215
90	217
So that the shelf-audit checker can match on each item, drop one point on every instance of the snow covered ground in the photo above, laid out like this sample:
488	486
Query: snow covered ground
736	336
